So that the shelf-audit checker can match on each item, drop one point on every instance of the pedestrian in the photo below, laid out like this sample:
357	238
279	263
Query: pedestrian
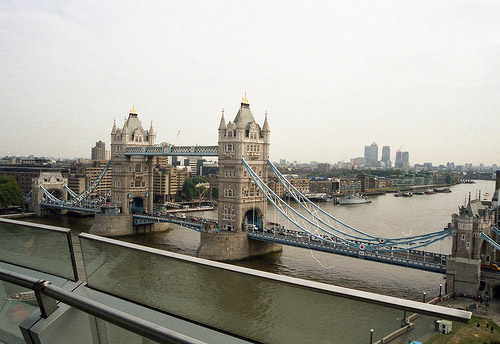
487	326
491	328
478	326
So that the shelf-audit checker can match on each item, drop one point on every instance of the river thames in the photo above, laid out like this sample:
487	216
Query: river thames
385	216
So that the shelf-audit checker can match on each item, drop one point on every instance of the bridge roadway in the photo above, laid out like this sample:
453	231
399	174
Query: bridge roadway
74	207
429	261
191	222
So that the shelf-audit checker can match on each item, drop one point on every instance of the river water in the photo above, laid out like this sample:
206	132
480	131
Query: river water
385	216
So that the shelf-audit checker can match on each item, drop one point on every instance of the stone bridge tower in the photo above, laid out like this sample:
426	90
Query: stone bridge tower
132	181
241	204
54	183
469	250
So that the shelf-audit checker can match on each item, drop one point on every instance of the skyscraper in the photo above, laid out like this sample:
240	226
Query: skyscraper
99	151
399	159
386	156
374	154
367	155
406	160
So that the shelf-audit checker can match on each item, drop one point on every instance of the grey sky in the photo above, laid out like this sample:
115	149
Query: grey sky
334	76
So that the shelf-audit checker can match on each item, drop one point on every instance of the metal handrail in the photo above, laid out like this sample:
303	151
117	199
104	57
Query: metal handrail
44	289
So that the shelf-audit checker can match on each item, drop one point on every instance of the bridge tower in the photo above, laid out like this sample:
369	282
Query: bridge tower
240	201
241	204
132	181
469	250
54	183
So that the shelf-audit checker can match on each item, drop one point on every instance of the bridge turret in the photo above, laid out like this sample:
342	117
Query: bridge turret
241	204
239	198
151	134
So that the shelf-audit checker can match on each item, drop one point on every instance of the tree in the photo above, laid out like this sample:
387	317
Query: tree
10	193
189	191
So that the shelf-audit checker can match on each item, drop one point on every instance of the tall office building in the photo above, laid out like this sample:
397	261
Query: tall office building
99	151
406	160
399	159
371	154
386	156
367	155
374	154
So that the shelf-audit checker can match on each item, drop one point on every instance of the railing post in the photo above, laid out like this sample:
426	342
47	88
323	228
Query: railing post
46	304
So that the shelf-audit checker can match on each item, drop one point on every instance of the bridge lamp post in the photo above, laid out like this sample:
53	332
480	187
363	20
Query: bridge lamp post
440	290
371	336
424	293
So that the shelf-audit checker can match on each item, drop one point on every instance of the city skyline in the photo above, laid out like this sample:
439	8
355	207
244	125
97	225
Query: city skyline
332	77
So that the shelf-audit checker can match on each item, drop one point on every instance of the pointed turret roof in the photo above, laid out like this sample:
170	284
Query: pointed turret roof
265	127
244	116
222	124
151	131
113	131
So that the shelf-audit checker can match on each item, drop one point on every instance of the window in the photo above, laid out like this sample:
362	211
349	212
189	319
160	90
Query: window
468	244
463	236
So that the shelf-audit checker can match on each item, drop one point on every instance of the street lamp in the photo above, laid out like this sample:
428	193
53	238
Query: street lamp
371	336
440	290
424	293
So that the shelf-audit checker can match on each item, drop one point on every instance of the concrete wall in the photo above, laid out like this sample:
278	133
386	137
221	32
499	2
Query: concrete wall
231	246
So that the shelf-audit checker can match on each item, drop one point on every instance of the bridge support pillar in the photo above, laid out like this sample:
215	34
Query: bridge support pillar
112	225
232	246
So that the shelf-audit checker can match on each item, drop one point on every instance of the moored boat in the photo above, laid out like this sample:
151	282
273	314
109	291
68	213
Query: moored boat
442	190
354	199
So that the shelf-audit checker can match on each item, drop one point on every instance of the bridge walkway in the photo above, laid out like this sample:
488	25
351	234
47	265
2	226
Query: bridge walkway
429	261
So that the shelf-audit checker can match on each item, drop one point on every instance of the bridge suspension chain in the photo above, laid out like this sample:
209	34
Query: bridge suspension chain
338	237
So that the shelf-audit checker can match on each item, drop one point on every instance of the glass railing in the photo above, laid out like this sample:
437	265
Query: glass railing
39	247
256	305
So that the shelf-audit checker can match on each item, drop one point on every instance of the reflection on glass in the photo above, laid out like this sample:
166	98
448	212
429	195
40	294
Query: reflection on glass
249	306
37	247
16	303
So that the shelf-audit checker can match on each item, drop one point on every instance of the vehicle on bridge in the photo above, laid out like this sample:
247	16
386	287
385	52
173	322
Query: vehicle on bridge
492	267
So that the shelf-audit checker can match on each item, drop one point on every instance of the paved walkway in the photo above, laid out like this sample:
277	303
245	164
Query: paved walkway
492	312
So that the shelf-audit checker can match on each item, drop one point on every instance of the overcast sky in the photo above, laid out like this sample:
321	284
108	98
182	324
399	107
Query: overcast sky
334	76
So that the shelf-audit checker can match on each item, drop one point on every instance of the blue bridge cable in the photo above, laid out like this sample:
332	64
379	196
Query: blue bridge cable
370	246
287	184
490	240
259	183
71	192
85	193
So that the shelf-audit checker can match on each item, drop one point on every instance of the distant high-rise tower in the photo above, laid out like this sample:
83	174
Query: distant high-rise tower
399	159
99	151
386	156
374	154
406	160
367	155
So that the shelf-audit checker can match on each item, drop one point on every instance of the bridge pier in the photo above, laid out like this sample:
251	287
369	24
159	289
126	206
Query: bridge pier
120	225
232	246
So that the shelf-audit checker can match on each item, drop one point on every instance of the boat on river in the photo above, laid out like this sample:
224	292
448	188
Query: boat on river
403	194
354	198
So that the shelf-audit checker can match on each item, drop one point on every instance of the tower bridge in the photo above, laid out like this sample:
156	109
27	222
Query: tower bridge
242	229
